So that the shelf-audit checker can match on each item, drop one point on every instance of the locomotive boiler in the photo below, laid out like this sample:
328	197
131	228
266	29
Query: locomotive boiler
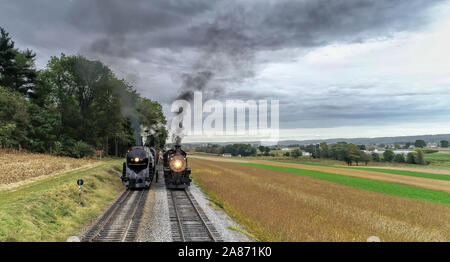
176	170
138	168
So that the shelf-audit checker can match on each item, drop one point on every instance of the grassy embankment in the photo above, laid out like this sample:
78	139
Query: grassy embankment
48	210
276	204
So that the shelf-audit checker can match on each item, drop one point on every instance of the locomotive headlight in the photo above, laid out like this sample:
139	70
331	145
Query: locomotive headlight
136	159
177	164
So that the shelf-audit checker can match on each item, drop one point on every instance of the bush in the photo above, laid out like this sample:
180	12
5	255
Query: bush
376	157
411	158
429	151
296	153
420	158
399	158
82	149
68	146
58	148
388	155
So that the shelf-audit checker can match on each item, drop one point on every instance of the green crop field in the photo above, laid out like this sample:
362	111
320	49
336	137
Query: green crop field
381	170
366	184
438	159
406	173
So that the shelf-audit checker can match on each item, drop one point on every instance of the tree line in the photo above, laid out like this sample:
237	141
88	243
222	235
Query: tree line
234	149
351	153
341	151
73	107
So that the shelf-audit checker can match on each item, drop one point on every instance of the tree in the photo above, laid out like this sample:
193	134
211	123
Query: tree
72	107
365	158
339	151
296	153
375	157
399	158
14	119
312	149
420	160
17	70
444	143
153	120
323	150
420	143
240	149
371	148
45	125
354	154
411	158
388	155
407	145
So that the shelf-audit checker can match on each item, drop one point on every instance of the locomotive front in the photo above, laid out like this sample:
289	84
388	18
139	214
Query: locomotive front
176	170
138	168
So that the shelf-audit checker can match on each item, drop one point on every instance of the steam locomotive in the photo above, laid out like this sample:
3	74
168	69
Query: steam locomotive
139	167
176	170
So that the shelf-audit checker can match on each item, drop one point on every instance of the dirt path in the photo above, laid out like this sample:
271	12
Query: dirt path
433	184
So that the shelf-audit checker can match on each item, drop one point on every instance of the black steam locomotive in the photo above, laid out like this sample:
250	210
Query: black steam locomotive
176	170
139	167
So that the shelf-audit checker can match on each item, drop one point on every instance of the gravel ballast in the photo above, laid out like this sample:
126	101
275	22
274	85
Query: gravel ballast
221	221
155	222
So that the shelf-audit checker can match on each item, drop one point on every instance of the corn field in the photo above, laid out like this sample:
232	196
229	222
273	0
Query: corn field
17	166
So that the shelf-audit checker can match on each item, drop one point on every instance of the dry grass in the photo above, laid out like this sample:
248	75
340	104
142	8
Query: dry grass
433	184
277	206
20	166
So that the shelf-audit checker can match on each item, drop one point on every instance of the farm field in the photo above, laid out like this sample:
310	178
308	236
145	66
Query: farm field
441	160
18	167
432	181
48	209
286	203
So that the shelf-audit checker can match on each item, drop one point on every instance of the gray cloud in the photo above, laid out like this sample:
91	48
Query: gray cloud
256	24
225	36
168	49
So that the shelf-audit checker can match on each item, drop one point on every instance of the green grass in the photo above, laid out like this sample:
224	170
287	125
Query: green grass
380	170
407	173
307	163
438	159
48	210
366	184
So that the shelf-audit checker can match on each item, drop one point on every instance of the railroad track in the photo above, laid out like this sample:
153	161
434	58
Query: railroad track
187	220
120	222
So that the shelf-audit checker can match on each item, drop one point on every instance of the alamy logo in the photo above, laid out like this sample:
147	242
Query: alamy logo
213	118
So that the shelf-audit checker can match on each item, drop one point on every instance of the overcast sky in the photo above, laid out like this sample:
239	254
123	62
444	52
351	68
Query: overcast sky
350	68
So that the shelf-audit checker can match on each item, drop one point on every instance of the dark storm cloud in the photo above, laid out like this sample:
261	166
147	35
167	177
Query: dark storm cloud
261	24
225	36
127	28
134	16
171	48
